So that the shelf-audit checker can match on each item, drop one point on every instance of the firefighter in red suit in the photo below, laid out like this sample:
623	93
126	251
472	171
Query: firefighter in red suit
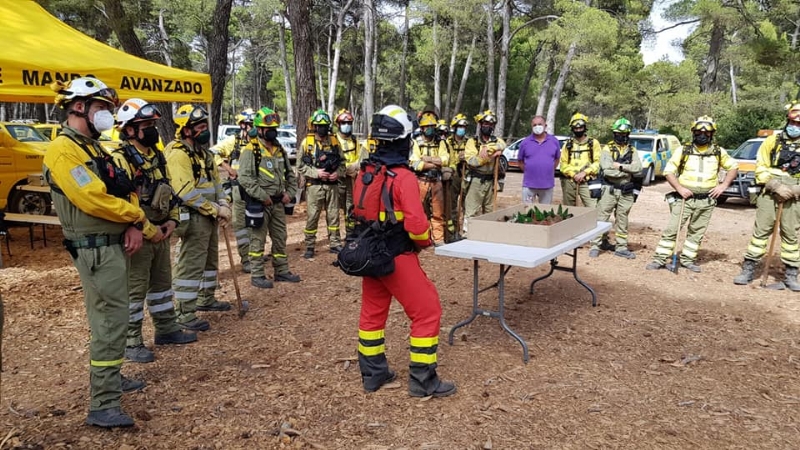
408	283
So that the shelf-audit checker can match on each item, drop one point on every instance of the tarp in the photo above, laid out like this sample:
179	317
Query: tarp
36	49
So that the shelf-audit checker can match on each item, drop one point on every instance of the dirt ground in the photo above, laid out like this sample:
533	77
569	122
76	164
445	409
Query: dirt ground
665	360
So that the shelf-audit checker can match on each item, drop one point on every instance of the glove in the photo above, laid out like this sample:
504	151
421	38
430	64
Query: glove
796	191
782	192
352	169
224	212
447	173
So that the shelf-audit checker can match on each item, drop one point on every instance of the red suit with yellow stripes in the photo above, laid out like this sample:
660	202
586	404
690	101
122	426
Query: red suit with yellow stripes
408	284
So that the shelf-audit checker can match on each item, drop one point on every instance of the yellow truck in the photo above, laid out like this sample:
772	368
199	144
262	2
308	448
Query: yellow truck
22	150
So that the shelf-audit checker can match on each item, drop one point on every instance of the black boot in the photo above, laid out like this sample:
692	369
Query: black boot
747	274
423	382
791	279
375	371
109	418
309	253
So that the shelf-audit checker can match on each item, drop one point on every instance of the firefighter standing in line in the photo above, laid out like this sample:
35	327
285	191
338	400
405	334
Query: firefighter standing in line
196	181
103	226
693	172
149	278
778	170
580	164
457	143
230	149
408	283
481	154
352	154
267	177
619	162
428	156
321	164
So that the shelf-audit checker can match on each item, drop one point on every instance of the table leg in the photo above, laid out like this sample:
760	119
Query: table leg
475	308
574	270
502	309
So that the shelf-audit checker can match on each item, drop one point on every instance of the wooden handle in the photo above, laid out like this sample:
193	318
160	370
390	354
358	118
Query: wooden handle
233	272
775	232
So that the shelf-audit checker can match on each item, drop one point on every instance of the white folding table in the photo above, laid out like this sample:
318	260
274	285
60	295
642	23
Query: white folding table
515	255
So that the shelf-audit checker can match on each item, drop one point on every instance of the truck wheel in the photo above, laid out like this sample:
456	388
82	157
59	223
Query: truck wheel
503	164
25	202
649	176
721	200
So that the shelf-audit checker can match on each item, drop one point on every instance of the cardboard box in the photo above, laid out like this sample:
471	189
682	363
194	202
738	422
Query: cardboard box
36	179
486	227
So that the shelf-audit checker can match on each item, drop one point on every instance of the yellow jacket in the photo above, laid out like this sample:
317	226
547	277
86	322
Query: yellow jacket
701	166
225	148
152	171
433	148
456	149
84	206
582	157
472	154
352	153
770	148
195	177
273	176
368	146
313	149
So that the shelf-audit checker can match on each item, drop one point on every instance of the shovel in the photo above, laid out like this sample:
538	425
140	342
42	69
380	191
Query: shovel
242	305
677	238
775	231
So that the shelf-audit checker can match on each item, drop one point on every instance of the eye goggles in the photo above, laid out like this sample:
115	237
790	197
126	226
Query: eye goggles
272	118
147	112
625	128
794	115
108	94
197	114
703	126
579	124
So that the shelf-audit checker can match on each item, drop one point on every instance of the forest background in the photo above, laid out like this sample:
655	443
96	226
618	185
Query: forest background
518	58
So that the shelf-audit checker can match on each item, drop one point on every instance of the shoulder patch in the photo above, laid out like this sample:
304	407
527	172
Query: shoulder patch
80	175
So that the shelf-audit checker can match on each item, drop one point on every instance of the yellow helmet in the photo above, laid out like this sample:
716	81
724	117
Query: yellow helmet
187	116
245	116
704	123
460	120
428	119
320	117
486	116
793	111
578	120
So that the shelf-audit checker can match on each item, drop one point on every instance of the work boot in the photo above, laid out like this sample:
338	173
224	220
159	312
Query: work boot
129	385
109	418
246	266
336	249
607	246
692	267
654	265
376	382
215	306
423	382
195	325
287	276
261	282
747	274
139	354
791	279
309	253
594	253
176	337
625	253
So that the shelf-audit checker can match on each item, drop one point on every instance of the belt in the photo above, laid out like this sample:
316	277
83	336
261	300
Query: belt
481	176
317	182
701	196
95	241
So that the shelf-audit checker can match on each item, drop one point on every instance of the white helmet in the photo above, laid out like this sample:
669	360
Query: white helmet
391	123
135	110
84	87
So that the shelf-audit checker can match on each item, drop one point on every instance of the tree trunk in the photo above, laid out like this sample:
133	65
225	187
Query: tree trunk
406	26
369	43
525	86
163	38
551	67
708	83
503	75
733	85
448	100
218	57
465	76
300	22
562	78
287	76
319	79
437	70
337	54
490	85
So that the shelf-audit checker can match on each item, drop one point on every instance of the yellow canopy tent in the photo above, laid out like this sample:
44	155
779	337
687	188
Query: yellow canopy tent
38	49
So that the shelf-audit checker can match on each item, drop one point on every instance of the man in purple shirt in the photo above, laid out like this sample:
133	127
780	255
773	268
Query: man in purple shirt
538	158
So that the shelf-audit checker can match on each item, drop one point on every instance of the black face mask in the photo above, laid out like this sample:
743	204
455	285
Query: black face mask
150	136
270	135
487	131
579	133
323	130
701	139
620	138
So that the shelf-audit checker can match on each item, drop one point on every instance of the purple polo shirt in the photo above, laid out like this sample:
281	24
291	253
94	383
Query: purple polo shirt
539	160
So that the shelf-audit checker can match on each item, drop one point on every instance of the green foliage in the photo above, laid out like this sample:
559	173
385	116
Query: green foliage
741	124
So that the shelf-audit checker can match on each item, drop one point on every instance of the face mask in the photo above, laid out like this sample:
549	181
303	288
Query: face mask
150	137
487	131
792	131
323	130
701	139
620	138
461	132
429	132
270	135
252	132
538	129
346	128
203	137
103	120
579	133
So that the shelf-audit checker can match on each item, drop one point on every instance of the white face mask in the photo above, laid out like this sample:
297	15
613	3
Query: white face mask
103	120
346	128
538	129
